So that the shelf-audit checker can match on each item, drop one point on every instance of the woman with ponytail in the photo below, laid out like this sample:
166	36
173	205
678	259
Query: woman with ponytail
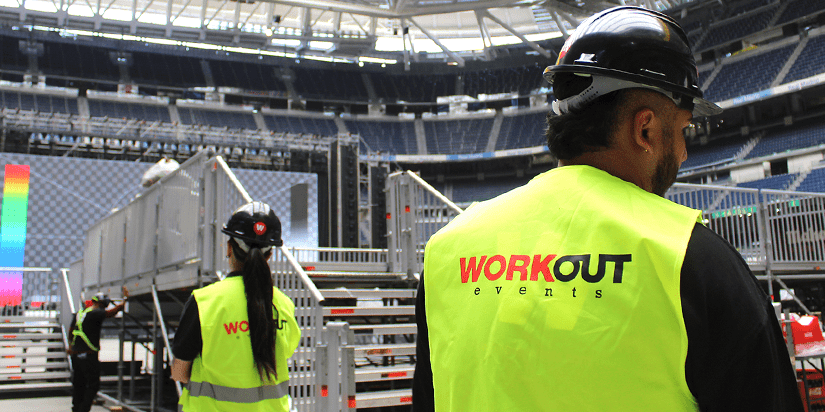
235	336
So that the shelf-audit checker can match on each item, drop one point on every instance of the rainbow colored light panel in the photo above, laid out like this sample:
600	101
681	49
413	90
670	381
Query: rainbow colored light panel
13	232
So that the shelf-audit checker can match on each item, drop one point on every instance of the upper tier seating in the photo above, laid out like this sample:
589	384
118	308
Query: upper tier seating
466	191
217	118
148	112
789	139
810	62
299	124
330	84
518	79
778	182
38	102
248	76
814	182
166	69
522	131
457	136
749	75
78	61
701	156
13	59
393	137
737	28
800	8
415	88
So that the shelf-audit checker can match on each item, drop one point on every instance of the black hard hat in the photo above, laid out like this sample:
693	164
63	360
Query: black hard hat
101	298
630	47
256	224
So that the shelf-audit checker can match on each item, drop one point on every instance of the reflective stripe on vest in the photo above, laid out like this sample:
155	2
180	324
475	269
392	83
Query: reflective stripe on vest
225	373
78	332
238	395
562	295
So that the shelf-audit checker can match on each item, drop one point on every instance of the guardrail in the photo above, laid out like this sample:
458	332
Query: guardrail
133	129
416	211
775	231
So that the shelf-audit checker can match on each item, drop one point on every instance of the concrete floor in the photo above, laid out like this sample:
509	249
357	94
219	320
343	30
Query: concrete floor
56	404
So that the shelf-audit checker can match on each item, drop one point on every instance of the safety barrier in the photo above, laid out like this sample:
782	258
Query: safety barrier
416	211
304	378
131	129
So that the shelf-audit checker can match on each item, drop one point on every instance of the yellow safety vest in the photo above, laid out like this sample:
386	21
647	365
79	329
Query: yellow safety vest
224	376
561	295
78	332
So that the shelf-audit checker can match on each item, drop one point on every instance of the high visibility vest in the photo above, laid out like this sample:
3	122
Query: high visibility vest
79	333
224	376
561	295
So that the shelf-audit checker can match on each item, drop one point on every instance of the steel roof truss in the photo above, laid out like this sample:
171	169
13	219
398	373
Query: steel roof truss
456	58
486	39
533	45
206	23
185	5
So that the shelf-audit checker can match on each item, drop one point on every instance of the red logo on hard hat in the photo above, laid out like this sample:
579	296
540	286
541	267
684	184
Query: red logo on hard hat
259	228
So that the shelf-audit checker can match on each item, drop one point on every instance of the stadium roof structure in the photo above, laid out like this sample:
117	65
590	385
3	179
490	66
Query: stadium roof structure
356	31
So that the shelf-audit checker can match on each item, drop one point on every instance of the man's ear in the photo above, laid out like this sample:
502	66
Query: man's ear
644	122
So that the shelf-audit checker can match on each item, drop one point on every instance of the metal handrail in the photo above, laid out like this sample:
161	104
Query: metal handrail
164	332
233	179
434	192
304	277
65	278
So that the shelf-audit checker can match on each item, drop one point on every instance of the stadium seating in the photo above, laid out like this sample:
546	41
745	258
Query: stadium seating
778	182
248	76
700	156
148	112
78	61
457	136
814	182
522	131
737	28
787	139
466	191
392	137
800	8
296	124
415	88
218	118
810	62
518	79
37	102
749	75
166	69
13	59
330	84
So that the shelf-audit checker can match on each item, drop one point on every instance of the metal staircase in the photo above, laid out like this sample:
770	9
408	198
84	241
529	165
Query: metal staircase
32	354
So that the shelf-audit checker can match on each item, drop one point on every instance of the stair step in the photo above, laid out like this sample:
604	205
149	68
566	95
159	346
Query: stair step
28	322
5	359
396	329
29	344
320	274
383	398
31	336
34	376
396	349
25	387
403	310
28	365
378	373
368	293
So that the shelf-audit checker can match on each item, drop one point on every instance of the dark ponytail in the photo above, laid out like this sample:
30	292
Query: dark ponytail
257	282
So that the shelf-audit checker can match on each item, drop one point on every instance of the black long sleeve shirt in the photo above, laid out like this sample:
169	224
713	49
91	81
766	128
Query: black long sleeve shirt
736	360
